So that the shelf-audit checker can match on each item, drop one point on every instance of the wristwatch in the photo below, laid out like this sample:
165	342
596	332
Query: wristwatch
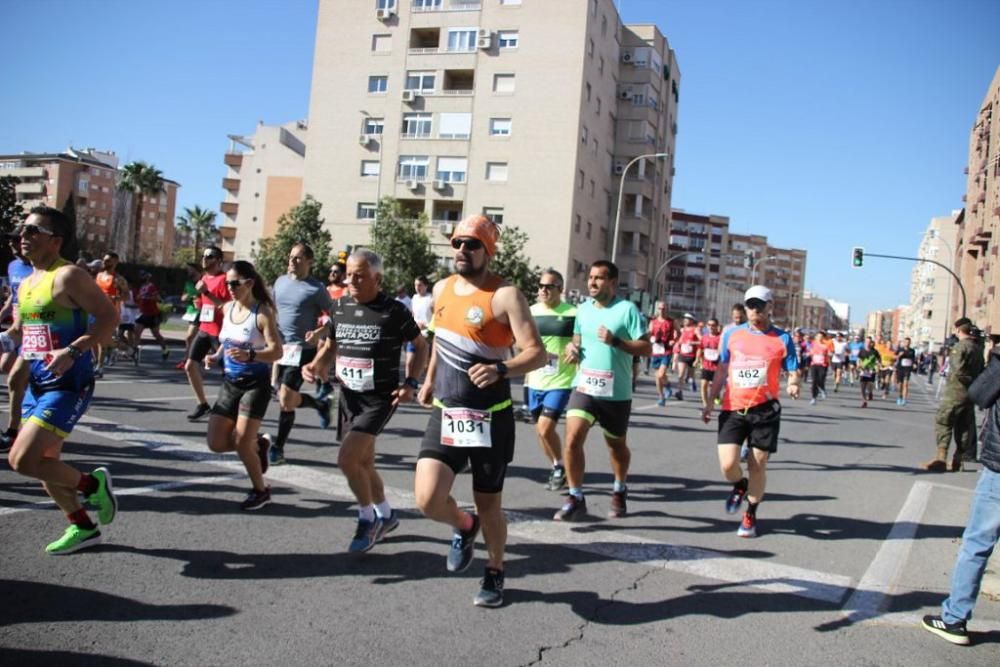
74	352
411	383
501	369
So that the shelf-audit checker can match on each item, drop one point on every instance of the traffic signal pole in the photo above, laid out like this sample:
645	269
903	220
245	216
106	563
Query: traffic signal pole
958	280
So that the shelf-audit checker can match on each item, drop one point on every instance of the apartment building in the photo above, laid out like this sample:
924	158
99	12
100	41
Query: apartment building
263	181
90	176
750	260
526	111
693	264
979	227
889	324
932	306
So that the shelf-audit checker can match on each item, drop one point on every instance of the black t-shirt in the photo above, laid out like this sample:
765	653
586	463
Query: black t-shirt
372	331
905	353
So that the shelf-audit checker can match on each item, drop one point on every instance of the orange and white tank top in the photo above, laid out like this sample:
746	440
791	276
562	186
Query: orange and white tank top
106	281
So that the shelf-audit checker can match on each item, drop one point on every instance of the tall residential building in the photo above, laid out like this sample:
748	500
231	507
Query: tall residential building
695	259
932	308
886	323
90	176
263	181
980	226
527	112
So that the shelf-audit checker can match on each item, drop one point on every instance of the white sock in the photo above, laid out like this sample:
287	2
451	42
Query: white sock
383	509
366	513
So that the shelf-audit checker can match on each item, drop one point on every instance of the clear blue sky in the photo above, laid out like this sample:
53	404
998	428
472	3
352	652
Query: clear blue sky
823	125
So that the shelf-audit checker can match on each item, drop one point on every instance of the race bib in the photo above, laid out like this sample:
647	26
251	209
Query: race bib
36	341
710	354
291	354
659	349
599	384
462	427
687	348
819	359
356	374
551	366
207	313
905	363
750	376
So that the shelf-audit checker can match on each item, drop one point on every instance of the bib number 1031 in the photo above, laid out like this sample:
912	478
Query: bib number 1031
462	427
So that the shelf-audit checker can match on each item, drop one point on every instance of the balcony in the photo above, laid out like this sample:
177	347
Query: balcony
227	232
446	6
231	184
24	172
233	159
37	188
229	207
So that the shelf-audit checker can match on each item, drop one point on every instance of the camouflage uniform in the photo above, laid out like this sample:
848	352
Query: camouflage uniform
957	414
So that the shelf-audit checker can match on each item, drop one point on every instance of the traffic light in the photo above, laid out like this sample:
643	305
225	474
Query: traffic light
858	257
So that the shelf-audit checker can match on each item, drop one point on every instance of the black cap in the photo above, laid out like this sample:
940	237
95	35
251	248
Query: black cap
962	321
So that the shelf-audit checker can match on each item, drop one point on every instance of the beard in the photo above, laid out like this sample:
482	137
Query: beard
468	270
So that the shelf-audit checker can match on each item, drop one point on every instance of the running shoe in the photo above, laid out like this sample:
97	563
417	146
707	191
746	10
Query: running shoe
952	632
670	392
7	439
735	499
812	401
256	499
744	453
822	395
180	364
864	404
661	402
98	374
276	456
902	401
74	539
164	353
387	524
748	527
935	465
365	536
557	479
324	409
491	591
574	508
264	451
199	412
618	507
679	395
104	497
324	390
463	547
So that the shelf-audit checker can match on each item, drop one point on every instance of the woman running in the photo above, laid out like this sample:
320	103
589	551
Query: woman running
249	343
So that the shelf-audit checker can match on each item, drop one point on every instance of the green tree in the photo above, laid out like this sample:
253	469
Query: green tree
511	262
301	224
10	210
200	224
184	256
402	243
140	179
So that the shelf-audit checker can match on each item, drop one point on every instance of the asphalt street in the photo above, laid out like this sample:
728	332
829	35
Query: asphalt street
856	544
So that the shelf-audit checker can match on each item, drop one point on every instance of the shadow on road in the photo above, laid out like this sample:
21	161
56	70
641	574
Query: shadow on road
42	658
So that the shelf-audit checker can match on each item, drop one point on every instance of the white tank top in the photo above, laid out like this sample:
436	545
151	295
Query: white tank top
244	335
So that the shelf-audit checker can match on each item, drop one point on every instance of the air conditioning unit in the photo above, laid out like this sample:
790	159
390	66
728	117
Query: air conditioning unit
624	94
619	168
408	96
485	42
384	14
440	184
627	57
413	184
364	139
446	229
484	32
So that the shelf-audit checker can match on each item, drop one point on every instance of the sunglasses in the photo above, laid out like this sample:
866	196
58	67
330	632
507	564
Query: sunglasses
548	286
31	230
233	284
756	304
469	244
209	255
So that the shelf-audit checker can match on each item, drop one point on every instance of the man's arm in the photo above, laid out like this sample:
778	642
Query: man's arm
509	303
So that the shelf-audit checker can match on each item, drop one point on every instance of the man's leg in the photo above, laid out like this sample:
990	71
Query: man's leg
574	458
17	383
193	370
494	525
432	487
356	460
548	439
28	457
757	469
620	457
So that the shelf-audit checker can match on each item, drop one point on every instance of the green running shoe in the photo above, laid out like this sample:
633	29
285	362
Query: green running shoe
74	539
104	498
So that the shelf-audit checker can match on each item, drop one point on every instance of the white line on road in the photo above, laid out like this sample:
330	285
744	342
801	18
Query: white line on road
913	620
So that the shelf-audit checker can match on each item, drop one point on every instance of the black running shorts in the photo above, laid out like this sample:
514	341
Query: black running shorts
613	416
708	376
291	376
489	465
244	397
202	345
759	424
365	412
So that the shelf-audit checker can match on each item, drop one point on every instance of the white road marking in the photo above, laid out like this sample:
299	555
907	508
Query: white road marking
913	620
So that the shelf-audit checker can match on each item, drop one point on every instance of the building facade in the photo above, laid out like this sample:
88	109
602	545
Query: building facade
932	306
751	260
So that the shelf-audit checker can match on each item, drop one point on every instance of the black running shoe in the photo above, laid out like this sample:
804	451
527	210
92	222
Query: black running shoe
952	632
491	593
199	412
735	499
463	547
574	508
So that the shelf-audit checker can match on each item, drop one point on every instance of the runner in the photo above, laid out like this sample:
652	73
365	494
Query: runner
51	328
662	336
709	355
369	330
888	363
189	298
838	359
549	386
686	351
150	315
12	363
868	368
422	306
905	358
301	301
115	287
477	317
819	359
738	317
126	326
608	332
853	351
336	287
212	295
248	344
751	360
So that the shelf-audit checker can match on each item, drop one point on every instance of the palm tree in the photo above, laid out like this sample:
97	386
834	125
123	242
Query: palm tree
140	179
200	224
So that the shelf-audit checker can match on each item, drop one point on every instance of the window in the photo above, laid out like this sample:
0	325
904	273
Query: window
598	110
413	167
584	135
422	81
500	127
600	65
366	211
378	83
576	225
510	2
496	171
503	83
416	125
592	188
507	39
381	43
604	26
590	229
593	7
495	214
590	47
426	5
385	4
373	125
452	169
587	88
462	39
455	125
369	168
580	177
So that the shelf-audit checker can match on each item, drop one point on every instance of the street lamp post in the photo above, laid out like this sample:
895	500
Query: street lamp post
656	287
951	262
621	193
753	269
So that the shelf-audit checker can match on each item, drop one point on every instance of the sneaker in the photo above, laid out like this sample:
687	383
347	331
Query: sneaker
864	404
98	375
324	390
748	527
935	465
491	593
902	401
679	395
199	412
557	479
618	507
264	451
735	499
387	524
7	439
952	632
670	392
463	547
104	497
180	364
661	402
365	536
812	401
574	508
324	409
276	456
164	354
256	499
822	395
74	539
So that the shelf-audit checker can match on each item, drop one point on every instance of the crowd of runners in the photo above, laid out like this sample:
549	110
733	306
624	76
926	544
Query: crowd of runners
453	346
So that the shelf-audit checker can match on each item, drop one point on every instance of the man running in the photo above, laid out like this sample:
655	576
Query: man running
888	364
838	360
709	355
662	336
549	386
608	332
853	351
212	295
819	361
906	357
686	351
336	287
116	288
751	361
301	301
477	318
12	363
51	328
150	315
369	331
738	317
868	368
422	307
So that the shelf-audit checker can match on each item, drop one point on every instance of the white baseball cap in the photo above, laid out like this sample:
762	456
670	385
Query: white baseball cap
758	292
